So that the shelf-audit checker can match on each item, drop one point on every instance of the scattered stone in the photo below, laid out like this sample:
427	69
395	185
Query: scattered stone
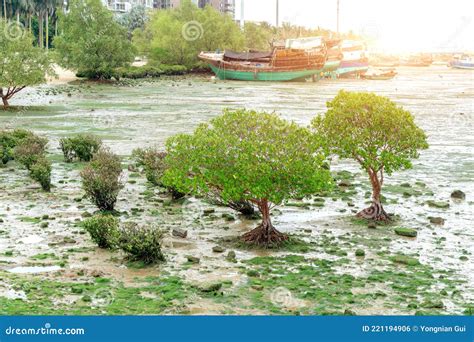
438	204
231	256
360	253
180	233
463	258
437	220
405	260
308	230
406	232
192	259
87	299
209	211
218	249
405	185
349	312
372	225
228	217
253	273
458	194
77	290
432	304
257	287
212	287
345	183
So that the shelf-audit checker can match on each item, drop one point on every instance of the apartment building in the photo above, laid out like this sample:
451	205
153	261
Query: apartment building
223	6
122	6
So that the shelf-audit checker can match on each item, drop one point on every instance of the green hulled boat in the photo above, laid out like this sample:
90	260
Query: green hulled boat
258	75
288	64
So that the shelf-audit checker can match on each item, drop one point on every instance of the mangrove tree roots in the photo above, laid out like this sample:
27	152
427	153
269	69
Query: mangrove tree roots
375	212
264	235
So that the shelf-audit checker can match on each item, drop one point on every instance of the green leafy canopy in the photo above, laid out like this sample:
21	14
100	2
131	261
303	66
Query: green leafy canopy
21	64
247	155
371	129
91	41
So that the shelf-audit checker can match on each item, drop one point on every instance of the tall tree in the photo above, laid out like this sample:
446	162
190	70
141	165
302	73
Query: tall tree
380	135
251	156
22	64
92	42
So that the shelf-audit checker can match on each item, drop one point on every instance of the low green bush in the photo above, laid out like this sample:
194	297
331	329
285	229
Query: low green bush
101	179
103	229
152	162
149	70
81	147
142	243
9	140
30	150
40	171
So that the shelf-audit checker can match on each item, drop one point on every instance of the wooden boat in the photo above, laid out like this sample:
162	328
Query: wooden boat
297	61
354	61
420	60
387	75
462	62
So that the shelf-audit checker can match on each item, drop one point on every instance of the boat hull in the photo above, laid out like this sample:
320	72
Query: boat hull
331	66
269	76
349	68
462	65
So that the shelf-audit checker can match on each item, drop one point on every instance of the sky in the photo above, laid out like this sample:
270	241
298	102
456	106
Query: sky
393	25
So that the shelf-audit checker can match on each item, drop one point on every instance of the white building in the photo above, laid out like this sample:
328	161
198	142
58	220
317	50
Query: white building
122	6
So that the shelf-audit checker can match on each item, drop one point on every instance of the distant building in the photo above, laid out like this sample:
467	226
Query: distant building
122	6
223	6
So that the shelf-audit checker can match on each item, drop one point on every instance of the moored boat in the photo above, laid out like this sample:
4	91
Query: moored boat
354	61
379	75
299	60
462	62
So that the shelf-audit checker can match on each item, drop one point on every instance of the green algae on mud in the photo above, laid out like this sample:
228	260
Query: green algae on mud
426	275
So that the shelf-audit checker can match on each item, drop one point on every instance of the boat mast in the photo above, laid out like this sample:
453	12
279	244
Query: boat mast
277	13
337	27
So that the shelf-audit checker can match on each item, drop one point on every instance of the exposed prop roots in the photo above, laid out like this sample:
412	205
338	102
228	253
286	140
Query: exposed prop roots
375	212
264	235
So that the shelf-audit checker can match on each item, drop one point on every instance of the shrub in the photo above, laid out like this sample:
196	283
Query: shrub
9	140
142	243
103	229
101	179
135	72
30	150
40	171
152	161
81	147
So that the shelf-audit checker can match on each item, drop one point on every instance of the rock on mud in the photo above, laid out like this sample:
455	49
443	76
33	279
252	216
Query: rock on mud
180	233
437	220
406	232
193	259
458	194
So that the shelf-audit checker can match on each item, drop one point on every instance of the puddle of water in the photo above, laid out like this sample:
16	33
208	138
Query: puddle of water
34	269
32	239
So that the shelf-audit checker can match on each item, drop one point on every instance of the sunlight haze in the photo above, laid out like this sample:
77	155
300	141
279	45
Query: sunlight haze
394	26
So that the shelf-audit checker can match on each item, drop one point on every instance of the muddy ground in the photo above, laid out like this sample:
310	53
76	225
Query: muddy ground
48	265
